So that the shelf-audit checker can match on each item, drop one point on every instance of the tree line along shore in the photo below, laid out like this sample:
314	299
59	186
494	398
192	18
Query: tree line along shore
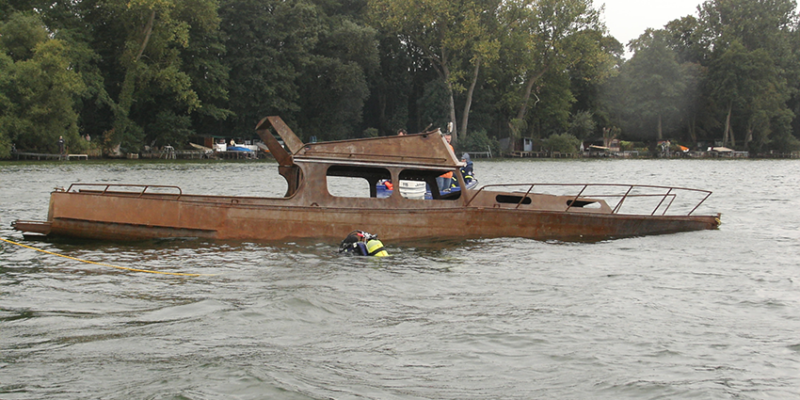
119	77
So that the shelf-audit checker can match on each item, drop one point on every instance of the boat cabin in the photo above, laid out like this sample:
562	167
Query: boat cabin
353	168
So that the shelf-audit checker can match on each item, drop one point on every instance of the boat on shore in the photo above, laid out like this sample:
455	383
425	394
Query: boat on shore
331	191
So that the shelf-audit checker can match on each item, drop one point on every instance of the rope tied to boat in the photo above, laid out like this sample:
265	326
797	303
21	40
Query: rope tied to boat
104	264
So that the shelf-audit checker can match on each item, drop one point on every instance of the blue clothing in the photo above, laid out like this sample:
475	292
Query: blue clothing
466	172
443	183
360	243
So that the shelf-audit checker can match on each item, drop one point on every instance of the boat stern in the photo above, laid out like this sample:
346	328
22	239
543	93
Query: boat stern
32	228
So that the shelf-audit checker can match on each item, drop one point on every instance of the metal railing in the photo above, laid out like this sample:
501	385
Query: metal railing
106	186
665	195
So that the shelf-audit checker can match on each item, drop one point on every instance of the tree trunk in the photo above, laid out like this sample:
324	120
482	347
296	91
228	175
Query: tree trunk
125	101
465	115
446	76
527	95
660	135
148	29
382	114
726	133
452	107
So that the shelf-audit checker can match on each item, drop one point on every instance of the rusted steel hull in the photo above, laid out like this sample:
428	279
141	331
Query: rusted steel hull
39	228
314	208
96	217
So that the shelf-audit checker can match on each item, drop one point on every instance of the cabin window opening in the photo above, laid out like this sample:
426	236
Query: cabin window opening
416	184
355	181
583	204
506	199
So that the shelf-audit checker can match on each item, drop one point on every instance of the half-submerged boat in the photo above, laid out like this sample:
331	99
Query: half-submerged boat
313	208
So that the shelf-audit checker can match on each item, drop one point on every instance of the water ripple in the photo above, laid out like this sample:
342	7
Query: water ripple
696	315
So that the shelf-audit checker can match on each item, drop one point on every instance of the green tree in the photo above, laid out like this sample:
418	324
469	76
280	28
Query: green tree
21	34
588	75
140	45
434	103
753	23
6	103
305	60
203	61
550	35
268	45
685	36
454	36
479	140
39	89
748	83
564	143
334	83
551	111
482	49
391	87
582	125
750	58
657	82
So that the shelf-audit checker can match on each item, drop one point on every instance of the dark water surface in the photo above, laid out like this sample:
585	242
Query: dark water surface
700	315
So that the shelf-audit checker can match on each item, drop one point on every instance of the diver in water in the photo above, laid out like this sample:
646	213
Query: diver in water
360	243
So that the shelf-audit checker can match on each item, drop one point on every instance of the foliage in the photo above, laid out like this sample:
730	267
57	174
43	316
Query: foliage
517	126
582	125
21	34
267	46
480	141
552	36
370	133
564	143
729	74
657	84
391	87
337	75
625	145
453	36
433	105
169	129
6	104
38	89
156	72
749	59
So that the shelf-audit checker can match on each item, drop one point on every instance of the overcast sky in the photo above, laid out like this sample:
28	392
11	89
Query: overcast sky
627	19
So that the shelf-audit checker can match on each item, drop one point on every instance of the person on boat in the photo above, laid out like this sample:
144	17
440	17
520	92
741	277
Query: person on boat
402	132
466	171
443	181
360	243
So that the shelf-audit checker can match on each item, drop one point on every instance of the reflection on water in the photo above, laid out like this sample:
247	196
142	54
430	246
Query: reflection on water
708	314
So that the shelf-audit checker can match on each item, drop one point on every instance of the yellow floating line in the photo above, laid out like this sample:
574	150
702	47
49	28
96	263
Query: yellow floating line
104	264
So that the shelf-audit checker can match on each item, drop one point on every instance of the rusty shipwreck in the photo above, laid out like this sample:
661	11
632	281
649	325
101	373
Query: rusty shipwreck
309	209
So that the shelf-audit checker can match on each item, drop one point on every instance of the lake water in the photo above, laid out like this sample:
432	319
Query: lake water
701	315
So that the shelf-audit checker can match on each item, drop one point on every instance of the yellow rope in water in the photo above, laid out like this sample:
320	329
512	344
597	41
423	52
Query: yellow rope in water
103	264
